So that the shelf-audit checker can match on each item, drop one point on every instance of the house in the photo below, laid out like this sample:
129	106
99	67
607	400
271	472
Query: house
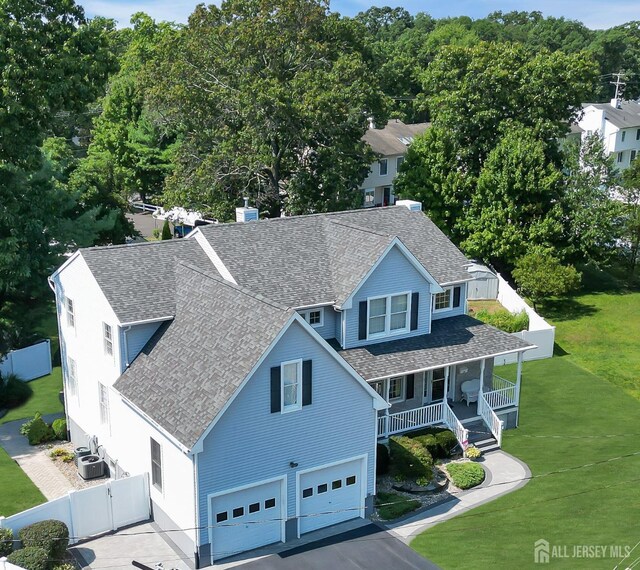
251	368
618	123
390	144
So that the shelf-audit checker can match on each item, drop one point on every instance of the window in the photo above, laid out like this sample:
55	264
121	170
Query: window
396	388
156	472
315	317
399	162
623	136
72	376
103	396
384	166
351	480
442	301
269	503
291	374
221	517
633	155
238	512
388	315
307	493
254	508
336	484
619	157
107	337
369	197
71	318
638	134
379	387
322	488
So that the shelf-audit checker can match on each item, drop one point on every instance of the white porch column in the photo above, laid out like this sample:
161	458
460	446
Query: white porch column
446	384
518	378
482	364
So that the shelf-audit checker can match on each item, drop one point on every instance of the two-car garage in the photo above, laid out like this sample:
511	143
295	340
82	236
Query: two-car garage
249	517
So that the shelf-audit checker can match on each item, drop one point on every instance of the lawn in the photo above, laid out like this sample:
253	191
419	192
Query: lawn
578	434
18	492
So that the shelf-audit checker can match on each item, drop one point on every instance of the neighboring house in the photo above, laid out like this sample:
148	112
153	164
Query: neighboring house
618	123
252	367
390	144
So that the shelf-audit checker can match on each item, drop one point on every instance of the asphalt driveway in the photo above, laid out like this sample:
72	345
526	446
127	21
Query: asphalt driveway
366	547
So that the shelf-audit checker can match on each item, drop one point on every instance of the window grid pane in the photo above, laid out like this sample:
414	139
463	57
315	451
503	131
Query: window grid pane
443	300
395	387
156	464
290	383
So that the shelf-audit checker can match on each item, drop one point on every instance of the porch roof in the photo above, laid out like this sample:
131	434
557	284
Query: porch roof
452	341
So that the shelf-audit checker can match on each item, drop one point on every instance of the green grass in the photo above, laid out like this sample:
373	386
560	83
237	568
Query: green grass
565	411
18	492
394	505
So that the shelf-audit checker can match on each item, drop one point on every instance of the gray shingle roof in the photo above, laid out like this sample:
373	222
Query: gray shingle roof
451	340
393	138
625	117
305	260
191	367
138	279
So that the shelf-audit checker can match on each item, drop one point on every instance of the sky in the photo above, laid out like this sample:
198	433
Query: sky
594	13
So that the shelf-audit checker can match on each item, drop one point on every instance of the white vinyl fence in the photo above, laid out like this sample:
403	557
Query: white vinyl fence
92	511
28	363
540	332
4	565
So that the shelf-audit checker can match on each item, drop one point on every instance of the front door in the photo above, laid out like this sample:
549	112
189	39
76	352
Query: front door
434	386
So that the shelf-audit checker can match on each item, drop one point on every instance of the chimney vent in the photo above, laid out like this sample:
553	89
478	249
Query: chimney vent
246	213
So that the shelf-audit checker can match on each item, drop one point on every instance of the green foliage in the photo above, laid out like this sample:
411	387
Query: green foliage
630	217
65	566
50	535
59	427
166	231
26	426
382	459
410	459
465	475
439	442
504	320
392	505
30	558
39	432
472	452
540	275
13	391
6	541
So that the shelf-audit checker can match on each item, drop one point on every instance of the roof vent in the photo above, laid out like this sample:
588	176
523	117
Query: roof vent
411	204
246	213
616	103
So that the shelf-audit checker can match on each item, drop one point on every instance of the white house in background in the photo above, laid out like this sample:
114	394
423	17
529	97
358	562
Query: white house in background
618	123
252	367
390	144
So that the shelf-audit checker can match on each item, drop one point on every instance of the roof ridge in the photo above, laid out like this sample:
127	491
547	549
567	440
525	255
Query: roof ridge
361	228
131	245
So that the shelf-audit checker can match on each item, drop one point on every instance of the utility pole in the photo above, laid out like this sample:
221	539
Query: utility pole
620	85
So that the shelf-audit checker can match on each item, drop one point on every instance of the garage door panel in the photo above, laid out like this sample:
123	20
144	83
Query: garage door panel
246	519
330	495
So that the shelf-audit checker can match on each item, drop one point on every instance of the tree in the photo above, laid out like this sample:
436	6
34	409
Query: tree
630	198
166	231
539	275
269	95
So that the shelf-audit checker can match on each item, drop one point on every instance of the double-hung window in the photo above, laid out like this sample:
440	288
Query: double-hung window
107	339
156	464
638	134
399	162
396	388
103	399
384	166
369	197
71	318
624	134
443	301
620	155
633	155
72	376
388	315
291	375
315	317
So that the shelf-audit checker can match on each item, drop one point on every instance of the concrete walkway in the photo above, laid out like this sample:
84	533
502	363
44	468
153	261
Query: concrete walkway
504	474
37	466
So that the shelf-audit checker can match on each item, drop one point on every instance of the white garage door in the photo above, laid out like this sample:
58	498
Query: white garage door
246	519
331	495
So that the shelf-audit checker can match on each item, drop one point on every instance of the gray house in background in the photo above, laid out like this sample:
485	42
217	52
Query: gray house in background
390	144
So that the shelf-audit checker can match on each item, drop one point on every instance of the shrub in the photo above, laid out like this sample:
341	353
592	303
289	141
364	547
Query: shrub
13	391
438	442
62	453
65	566
504	320
39	432
382	459
166	231
6	541
50	535
472	452
59	427
24	428
465	475
30	558
447	441
410	459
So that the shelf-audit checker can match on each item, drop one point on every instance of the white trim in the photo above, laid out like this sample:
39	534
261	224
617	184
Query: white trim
147	321
363	478
314	306
298	405
64	265
378	402
283	506
454	283
387	330
395	242
207	248
306	315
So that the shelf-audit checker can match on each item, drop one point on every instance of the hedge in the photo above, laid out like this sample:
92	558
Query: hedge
30	558
438	442
504	320
465	475
410	459
50	535
6	541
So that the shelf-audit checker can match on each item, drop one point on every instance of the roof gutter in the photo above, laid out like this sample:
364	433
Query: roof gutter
145	321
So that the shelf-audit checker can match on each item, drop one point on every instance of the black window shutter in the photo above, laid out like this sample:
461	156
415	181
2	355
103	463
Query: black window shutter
275	390
362	321
306	382
456	296
415	300
410	386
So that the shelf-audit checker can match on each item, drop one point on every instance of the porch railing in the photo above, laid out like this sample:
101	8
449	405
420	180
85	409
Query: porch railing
410	419
500	383
453	423
494	423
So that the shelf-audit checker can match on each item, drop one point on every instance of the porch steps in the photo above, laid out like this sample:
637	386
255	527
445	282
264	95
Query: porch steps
481	437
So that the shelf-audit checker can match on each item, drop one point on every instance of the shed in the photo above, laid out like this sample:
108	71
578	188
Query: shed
484	284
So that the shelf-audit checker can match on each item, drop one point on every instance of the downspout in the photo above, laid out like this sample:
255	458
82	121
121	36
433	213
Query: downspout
196	525
125	330
63	358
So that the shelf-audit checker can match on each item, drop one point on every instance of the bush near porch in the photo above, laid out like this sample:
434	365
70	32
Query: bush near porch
439	442
465	475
